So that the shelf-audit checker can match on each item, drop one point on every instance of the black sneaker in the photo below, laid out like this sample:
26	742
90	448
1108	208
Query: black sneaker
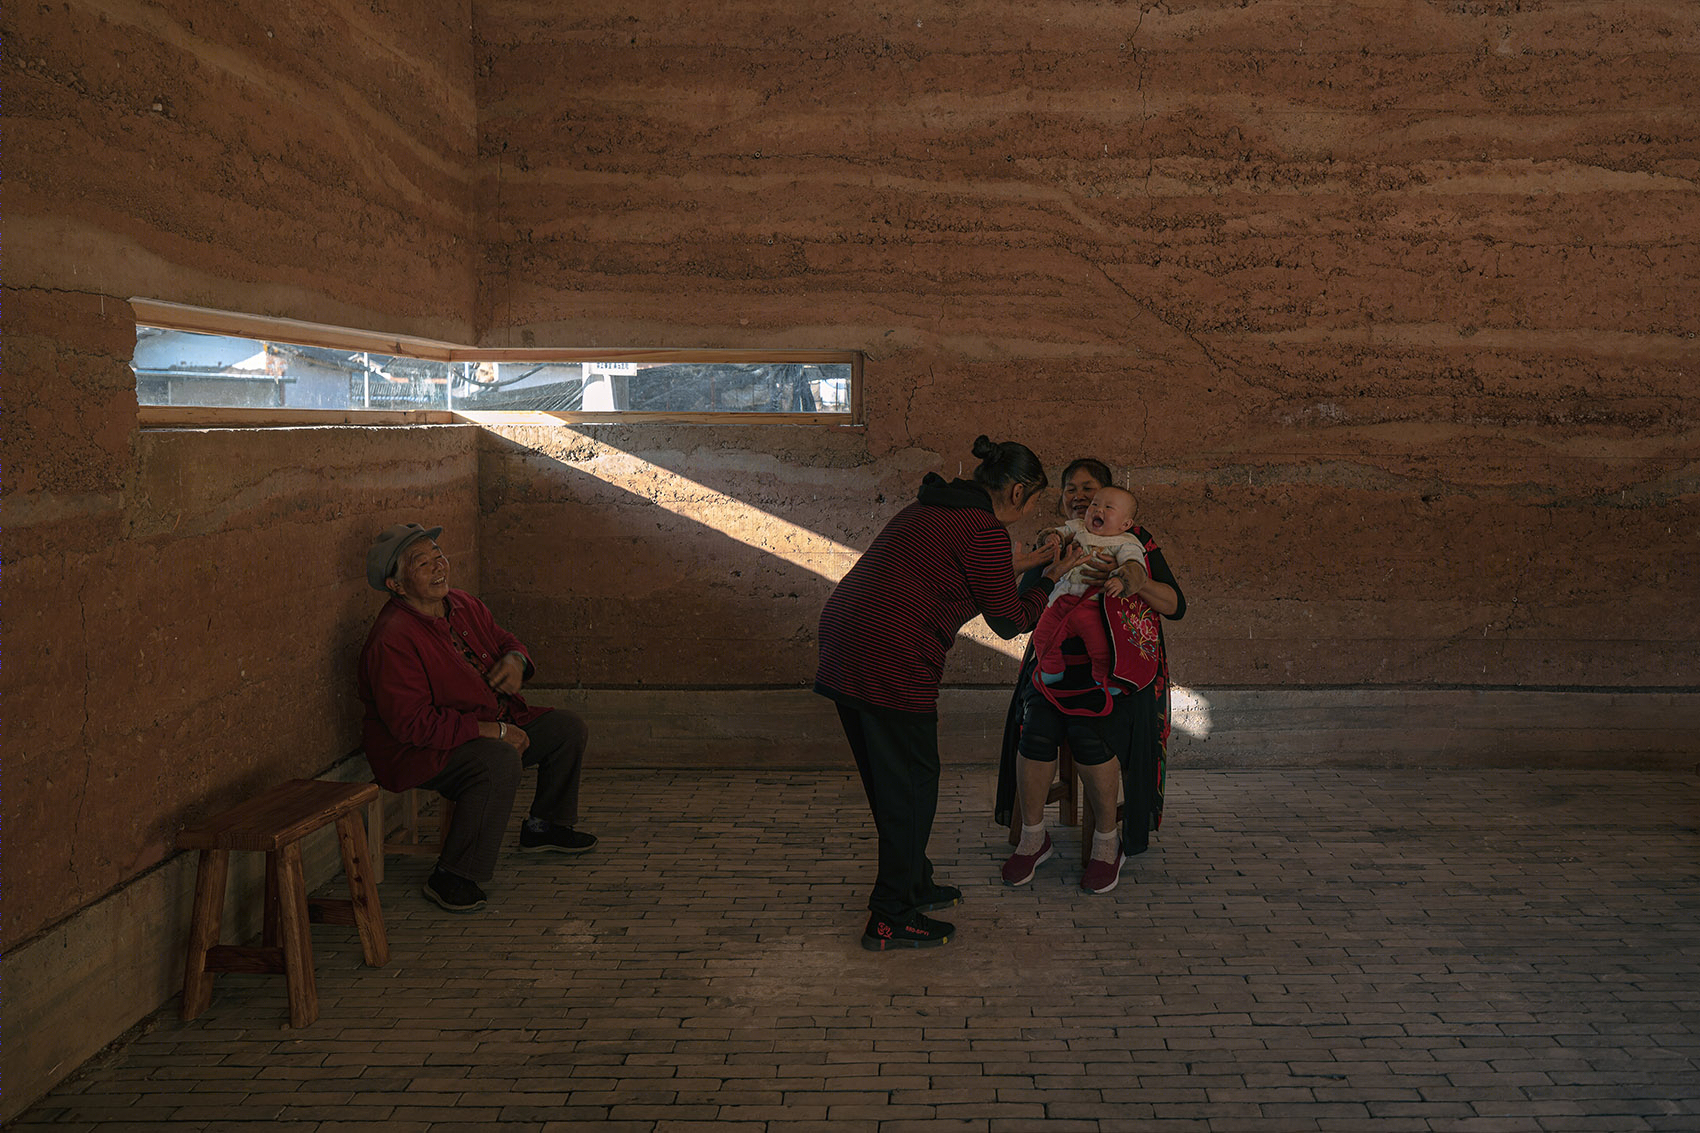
557	839
940	897
917	931
456	894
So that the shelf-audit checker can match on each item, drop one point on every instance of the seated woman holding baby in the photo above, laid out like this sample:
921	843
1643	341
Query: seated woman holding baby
1096	678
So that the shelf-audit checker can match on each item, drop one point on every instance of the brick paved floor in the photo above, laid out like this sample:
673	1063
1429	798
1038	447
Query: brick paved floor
1344	950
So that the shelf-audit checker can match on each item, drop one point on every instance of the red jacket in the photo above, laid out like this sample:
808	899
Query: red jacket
423	698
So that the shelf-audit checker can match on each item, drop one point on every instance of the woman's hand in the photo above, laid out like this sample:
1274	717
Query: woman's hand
1099	568
1133	578
1068	556
1044	550
1126	581
509	733
508	674
1024	561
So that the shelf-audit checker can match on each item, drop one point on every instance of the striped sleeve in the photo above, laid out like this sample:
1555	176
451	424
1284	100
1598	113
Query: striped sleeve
991	582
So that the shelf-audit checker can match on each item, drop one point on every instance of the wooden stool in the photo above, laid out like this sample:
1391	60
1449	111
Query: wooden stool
1064	789
412	840
274	824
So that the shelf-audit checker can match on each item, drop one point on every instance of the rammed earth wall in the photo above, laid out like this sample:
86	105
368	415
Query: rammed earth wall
1387	314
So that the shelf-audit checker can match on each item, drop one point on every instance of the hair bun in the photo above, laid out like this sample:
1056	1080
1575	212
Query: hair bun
1008	462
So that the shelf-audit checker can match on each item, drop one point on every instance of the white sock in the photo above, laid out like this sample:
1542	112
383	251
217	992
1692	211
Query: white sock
1032	837
1105	846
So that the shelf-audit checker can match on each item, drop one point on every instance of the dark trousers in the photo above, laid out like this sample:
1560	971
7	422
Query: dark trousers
898	756
1044	728
482	777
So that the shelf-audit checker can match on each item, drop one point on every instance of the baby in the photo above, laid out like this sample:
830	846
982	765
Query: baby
1105	527
1075	609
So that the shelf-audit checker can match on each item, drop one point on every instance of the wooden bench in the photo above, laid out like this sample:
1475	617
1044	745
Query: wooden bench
274	824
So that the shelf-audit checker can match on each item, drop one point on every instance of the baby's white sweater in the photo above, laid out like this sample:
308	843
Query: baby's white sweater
1126	546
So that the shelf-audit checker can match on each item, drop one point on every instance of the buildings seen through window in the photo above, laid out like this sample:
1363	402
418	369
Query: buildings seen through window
182	368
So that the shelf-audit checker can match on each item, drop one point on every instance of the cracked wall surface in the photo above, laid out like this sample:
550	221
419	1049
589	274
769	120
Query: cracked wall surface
1387	314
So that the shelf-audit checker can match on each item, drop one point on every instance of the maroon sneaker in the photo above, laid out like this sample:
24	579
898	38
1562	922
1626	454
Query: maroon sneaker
917	931
1020	868
1101	876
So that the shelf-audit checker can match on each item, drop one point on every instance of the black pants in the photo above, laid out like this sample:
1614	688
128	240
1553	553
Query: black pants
1044	728
482	777
898	756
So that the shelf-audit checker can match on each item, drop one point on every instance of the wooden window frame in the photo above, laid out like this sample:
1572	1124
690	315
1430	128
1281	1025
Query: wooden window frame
207	320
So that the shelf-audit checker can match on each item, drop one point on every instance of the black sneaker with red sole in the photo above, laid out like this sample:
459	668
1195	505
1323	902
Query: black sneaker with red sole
917	931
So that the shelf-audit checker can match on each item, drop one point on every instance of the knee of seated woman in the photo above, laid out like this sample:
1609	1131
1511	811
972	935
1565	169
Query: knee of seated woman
495	758
1037	745
1088	748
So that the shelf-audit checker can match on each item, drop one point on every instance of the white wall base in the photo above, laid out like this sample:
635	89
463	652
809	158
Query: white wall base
1213	727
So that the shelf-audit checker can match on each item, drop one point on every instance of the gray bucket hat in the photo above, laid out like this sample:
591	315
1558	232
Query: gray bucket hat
387	548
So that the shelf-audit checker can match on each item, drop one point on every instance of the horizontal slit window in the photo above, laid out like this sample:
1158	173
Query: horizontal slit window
198	366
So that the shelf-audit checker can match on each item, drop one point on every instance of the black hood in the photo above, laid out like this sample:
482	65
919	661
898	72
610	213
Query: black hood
936	492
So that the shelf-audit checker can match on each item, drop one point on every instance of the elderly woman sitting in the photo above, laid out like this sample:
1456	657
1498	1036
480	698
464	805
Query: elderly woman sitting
440	681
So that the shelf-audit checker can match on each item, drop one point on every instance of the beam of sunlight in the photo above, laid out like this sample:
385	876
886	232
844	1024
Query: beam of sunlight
790	543
750	525
731	517
1189	712
981	634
